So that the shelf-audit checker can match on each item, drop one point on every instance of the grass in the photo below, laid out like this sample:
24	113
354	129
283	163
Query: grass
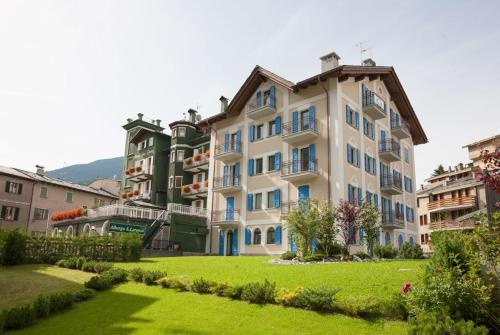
22	284
354	279
134	309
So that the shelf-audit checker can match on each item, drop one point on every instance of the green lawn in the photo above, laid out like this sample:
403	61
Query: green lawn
354	279
21	284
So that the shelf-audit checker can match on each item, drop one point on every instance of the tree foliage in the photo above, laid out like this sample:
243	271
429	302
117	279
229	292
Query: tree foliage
369	224
439	170
349	221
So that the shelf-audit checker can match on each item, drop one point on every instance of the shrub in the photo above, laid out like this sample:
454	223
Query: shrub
71	263
409	251
88	266
363	307
385	251
60	301
136	274
101	267
396	307
219	288
317	299
440	323
13	247
178	283
150	277
288	255
234	292
41	306
99	283
362	255
258	293
202	286
339	249
19	317
289	298
83	295
116	275
318	257
80	261
2	321
62	263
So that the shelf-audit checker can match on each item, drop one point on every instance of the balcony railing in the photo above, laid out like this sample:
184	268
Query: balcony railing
267	107
228	149
128	211
187	210
400	128
228	181
391	183
226	215
195	189
295	131
374	105
197	162
451	225
389	219
448	203
299	166
390	149
290	206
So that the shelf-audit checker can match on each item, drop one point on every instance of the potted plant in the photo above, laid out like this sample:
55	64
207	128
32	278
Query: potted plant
195	186
206	183
138	169
207	154
136	192
187	161
186	189
126	172
130	194
124	195
197	157
131	170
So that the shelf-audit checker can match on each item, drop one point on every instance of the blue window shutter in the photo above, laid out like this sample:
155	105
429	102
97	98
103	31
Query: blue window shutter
313	245
248	236
249	202
374	163
312	157
375	200
250	133
295	121
312	117
277	160
258	99
365	126
277	198
224	175
368	197
250	166
277	125
295	160
236	177
226	142
356	120
407	213
221	243
349	153
272	95
357	157
350	195
234	252
360	196
367	168
348	116
277	237
238	140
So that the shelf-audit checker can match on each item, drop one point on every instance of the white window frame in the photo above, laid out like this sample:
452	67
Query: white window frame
176	179
182	132
179	154
174	133
173	155
170	182
66	199
151	141
41	193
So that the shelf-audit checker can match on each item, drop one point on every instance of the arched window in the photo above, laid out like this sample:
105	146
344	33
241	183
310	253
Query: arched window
411	241
257	236
387	238
270	236
400	241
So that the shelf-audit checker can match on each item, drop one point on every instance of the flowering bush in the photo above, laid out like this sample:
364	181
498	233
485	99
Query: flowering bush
186	189
207	154
405	288
197	157
138	169
136	192
195	186
187	161
205	183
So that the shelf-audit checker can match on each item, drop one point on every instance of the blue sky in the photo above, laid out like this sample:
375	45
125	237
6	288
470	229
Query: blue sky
71	72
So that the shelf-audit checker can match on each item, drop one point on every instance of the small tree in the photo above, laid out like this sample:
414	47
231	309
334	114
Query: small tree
348	222
302	221
326	227
369	224
439	170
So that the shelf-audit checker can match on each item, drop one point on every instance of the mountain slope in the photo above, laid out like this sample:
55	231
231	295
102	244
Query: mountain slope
85	173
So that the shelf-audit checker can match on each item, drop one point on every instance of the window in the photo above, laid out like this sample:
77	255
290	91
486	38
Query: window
178	182
11	187
368	129
172	156
44	192
260	132
171	182
352	155
98	202
151	141
272	128
408	184
304	120
370	165
270	199
406	155
10	213
174	133
180	155
41	214
198	177
267	98
410	214
271	163
69	197
270	236
351	117
182	132
257	236
258	165
258	201
198	203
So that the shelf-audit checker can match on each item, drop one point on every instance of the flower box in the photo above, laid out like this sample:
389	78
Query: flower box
197	157
136	192
186	189
138	169
196	186
205	183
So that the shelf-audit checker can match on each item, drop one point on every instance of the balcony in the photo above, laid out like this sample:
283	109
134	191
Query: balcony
448	204
195	190
299	132
199	162
268	107
400	128
226	217
227	184
452	225
228	152
373	105
290	206
391	221
391	185
389	150
299	170
187	210
138	174
141	196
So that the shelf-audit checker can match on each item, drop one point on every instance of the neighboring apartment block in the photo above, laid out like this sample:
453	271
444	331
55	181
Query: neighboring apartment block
451	200
346	133
30	198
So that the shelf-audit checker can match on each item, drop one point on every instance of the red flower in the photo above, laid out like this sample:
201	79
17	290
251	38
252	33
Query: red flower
406	288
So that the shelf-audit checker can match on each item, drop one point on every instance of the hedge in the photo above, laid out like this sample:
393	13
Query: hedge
18	248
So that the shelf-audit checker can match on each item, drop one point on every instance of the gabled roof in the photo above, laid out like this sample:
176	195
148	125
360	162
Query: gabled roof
386	73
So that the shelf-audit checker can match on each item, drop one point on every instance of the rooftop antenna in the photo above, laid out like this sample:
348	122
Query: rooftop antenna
184	115
198	106
363	49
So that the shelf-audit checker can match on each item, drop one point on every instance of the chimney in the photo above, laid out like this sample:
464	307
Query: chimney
223	103
140	115
40	170
158	122
192	115
369	62
329	61
461	166
129	120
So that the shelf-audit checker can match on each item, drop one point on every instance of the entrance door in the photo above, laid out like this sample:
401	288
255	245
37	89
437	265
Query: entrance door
304	159
230	209
229	247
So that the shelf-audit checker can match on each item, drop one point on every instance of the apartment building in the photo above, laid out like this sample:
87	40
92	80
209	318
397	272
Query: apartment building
451	200
346	133
30	198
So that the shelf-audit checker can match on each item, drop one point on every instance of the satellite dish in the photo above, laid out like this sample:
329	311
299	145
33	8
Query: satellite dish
198	118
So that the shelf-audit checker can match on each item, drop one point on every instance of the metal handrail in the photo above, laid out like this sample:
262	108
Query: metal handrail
123	210
187	210
391	181
389	145
292	128
269	102
228	180
231	146
225	215
299	166
372	98
399	123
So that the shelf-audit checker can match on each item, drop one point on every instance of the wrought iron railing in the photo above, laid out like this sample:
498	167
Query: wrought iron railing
297	127
389	145
228	147
397	123
372	98
295	166
226	215
391	181
229	180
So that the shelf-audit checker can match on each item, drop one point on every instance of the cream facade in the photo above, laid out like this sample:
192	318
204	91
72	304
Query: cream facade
338	135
